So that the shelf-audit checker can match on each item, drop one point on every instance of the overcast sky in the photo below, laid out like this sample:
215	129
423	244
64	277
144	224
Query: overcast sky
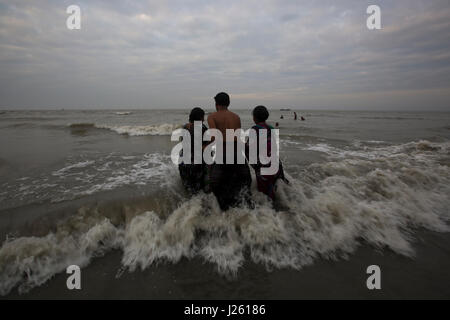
178	54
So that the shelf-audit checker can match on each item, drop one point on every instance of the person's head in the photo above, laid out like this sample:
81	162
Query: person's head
197	114
222	100
260	114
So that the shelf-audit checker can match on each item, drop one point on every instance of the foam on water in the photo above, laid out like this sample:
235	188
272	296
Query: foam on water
80	177
164	129
81	164
31	261
328	210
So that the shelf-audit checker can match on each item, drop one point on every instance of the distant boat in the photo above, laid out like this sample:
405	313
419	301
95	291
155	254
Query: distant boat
285	109
123	113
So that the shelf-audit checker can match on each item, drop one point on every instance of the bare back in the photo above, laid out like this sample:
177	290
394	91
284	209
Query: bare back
224	119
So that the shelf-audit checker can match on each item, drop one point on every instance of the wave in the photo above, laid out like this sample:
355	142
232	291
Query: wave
150	130
163	129
328	211
412	149
82	177
81	164
123	113
82	125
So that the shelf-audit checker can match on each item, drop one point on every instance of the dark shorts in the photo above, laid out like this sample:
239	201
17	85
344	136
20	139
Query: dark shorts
230	183
193	176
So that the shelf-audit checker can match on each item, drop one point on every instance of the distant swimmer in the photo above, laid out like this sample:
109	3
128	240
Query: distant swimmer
281	117
303	119
277	124
230	183
193	175
295	115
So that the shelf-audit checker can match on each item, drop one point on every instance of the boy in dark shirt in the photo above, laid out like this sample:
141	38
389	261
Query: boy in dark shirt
193	175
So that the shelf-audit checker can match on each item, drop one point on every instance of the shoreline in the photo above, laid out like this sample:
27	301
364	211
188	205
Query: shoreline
426	276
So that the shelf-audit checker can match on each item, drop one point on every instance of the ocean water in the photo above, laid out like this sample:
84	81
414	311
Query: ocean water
78	185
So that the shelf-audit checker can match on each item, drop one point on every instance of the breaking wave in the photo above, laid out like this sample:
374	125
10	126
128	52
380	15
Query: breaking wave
80	178
376	197
163	129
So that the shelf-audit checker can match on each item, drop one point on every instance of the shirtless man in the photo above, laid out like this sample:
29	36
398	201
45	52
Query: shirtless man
230	183
223	119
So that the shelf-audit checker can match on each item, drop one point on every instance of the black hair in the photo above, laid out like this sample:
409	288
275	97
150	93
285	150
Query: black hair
196	114
260	114
222	99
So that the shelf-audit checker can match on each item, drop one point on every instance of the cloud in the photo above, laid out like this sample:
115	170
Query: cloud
174	54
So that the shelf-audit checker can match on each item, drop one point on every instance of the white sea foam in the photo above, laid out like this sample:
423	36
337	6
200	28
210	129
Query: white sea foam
86	177
31	261
151	166
417	150
330	209
81	164
163	129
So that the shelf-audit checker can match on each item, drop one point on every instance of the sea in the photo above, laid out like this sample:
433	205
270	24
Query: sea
98	189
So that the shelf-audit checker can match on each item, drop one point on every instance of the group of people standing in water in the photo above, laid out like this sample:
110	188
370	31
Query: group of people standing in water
229	182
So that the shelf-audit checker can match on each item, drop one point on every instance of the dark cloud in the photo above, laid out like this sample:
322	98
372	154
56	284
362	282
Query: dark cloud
174	54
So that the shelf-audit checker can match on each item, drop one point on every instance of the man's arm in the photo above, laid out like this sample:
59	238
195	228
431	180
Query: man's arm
211	122
211	125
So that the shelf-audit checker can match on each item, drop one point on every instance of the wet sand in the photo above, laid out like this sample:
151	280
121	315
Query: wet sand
427	276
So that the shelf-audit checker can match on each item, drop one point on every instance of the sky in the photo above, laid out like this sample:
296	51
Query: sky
179	54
